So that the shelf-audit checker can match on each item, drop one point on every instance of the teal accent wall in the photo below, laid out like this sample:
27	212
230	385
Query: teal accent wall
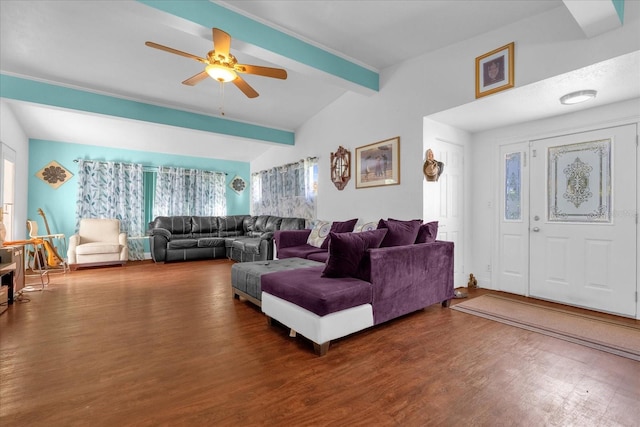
60	96
619	6
209	14
59	205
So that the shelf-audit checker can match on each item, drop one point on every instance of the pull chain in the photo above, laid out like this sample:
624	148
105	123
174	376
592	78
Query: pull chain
221	107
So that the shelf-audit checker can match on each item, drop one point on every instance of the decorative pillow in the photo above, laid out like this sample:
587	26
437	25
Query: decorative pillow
318	233
340	227
346	250
428	232
400	232
368	226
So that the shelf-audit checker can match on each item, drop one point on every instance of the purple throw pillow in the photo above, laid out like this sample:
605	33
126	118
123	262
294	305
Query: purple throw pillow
339	227
428	232
347	249
400	232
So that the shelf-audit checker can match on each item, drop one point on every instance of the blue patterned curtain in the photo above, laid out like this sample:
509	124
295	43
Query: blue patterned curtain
182	191
113	190
288	191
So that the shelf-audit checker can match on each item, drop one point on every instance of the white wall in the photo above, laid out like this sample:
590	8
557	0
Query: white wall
12	135
485	170
546	45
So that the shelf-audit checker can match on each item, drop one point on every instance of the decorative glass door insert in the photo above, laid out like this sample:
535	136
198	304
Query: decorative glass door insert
579	177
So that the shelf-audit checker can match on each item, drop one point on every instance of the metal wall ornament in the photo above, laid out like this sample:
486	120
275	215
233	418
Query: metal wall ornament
54	174
238	184
340	167
432	168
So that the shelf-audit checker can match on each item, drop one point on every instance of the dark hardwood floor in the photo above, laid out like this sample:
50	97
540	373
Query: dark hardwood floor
166	345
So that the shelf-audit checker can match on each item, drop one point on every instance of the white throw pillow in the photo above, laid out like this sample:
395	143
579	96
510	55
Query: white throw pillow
368	226
318	233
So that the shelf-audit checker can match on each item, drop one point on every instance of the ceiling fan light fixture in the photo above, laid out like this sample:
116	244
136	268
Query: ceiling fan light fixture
220	73
578	97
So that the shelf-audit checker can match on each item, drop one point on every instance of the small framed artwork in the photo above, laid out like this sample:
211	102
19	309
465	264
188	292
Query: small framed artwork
494	71
378	164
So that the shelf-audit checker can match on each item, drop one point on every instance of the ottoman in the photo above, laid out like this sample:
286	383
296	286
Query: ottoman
245	276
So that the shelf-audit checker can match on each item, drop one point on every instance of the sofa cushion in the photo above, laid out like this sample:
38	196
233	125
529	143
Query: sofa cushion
428	232
94	248
319	256
231	225
249	224
301	251
210	242
250	245
306	288
339	227
180	225
318	233
346	250
205	225
292	224
400	232
272	224
182	244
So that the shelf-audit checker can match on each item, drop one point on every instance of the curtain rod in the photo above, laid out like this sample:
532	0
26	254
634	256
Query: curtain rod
148	167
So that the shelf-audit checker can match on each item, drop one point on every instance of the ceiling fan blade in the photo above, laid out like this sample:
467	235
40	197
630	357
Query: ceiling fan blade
176	51
221	42
277	73
244	87
192	81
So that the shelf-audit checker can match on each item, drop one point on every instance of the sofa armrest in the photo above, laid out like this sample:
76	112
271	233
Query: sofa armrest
124	251
158	241
160	232
409	278
74	241
290	238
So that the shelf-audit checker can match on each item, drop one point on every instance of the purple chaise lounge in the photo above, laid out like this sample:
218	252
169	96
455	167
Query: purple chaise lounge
360	286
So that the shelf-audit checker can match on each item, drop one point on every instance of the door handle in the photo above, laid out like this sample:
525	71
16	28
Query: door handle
536	229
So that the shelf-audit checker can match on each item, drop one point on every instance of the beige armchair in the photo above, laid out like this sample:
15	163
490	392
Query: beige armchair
98	242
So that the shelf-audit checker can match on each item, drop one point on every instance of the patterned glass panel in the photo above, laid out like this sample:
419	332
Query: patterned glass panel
580	182
513	187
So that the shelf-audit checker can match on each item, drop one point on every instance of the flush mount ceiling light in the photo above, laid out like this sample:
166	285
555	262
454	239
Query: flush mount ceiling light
578	97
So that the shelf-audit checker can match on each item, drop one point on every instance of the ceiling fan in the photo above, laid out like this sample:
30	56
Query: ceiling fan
222	66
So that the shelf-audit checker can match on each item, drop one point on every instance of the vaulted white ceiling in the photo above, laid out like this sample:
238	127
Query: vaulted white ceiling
98	47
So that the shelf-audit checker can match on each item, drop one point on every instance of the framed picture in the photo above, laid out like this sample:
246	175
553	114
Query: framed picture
494	71
378	164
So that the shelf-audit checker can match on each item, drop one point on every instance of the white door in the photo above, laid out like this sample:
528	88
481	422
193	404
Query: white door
583	221
443	201
7	189
512	266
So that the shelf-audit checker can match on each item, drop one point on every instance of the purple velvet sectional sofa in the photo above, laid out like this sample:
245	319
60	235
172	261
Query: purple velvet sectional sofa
368	278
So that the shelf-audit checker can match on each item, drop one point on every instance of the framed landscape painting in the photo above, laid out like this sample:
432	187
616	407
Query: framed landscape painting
378	164
494	71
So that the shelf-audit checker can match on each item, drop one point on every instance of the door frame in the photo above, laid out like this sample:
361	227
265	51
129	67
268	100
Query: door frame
558	132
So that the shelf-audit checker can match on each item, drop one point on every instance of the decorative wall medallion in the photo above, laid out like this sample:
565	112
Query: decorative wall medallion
341	167
579	179
54	174
238	184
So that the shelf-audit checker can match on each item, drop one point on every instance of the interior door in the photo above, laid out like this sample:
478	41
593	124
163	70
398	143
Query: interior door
583	221
444	201
512	266
7	189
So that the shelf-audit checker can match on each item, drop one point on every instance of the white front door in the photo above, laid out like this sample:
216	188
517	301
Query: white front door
583	219
512	266
443	201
